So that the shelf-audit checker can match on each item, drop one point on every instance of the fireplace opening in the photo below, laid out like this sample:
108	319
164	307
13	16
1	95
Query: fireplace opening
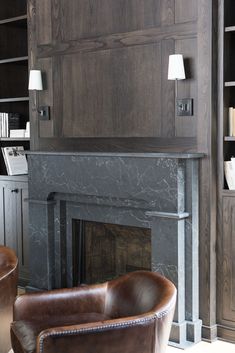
103	251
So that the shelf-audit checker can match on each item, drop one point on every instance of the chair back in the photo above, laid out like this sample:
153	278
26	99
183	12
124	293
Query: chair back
8	292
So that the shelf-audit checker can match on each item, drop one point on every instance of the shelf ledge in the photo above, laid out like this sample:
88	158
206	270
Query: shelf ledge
13	60
18	99
13	19
14	139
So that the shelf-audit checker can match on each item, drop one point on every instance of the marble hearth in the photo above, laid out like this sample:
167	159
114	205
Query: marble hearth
157	191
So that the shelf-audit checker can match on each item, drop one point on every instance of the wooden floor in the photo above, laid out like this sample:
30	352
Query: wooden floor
204	347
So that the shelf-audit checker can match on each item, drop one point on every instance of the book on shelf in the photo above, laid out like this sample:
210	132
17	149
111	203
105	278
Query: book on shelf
8	122
15	160
17	133
231	121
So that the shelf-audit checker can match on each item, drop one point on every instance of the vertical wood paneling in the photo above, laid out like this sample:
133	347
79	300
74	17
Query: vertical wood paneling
44	23
99	17
167	92
228	259
167	12
186	10
46	97
113	93
187	125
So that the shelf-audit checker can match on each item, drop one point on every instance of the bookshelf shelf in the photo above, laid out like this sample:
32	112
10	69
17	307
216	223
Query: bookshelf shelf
17	99
14	139
14	60
13	19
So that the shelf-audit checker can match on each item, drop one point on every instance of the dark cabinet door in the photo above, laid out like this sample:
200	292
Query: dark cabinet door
14	222
226	271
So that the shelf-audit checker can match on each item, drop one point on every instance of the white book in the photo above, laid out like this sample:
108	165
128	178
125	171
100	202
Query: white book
3	124
15	160
1	116
7	125
230	121
17	133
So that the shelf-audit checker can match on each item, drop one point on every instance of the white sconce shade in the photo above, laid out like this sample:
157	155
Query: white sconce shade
35	80
176	67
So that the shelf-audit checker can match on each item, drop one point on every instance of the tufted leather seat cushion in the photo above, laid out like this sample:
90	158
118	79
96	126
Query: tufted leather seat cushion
24	333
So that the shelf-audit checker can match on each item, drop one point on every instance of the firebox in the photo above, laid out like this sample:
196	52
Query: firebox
103	251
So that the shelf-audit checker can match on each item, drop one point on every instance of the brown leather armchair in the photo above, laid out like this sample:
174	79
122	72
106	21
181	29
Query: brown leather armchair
8	292
131	314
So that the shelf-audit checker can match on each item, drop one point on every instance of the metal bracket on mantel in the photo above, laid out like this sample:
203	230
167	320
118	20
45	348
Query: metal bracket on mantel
170	215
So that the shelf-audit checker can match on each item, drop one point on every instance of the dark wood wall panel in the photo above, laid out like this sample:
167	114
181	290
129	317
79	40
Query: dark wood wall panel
228	263
186	10
167	92
113	93
44	26
99	17
46	127
187	125
167	12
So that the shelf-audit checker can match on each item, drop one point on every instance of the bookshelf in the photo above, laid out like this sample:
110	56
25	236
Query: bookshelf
226	150
14	98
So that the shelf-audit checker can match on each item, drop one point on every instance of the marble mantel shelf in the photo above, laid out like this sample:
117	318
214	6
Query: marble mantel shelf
174	155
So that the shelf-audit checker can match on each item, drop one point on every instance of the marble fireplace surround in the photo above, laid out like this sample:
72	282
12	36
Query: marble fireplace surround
158	191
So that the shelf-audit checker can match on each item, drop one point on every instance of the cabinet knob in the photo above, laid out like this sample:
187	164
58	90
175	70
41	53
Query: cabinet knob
15	190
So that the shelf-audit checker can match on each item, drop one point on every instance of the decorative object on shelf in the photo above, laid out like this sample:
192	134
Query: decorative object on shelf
27	130
35	84
8	122
229	171
176	72
15	160
231	121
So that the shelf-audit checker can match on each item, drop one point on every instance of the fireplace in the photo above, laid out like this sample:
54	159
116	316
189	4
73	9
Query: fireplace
156	194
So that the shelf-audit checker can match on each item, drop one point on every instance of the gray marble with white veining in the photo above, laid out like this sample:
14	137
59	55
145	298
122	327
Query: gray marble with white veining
119	189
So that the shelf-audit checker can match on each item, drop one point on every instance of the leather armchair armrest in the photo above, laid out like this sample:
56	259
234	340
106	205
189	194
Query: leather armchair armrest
133	334
74	300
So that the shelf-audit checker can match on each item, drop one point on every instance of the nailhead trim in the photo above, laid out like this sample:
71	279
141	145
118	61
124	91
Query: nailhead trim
103	327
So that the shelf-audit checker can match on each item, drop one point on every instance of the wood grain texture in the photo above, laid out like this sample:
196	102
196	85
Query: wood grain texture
119	144
167	91
228	262
167	12
118	40
206	137
186	10
44	23
99	17
187	125
45	97
113	93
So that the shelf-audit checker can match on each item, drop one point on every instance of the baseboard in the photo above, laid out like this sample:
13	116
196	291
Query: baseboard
226	333
209	333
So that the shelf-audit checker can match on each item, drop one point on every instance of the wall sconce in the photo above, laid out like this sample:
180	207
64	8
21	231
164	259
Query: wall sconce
176	72
35	84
